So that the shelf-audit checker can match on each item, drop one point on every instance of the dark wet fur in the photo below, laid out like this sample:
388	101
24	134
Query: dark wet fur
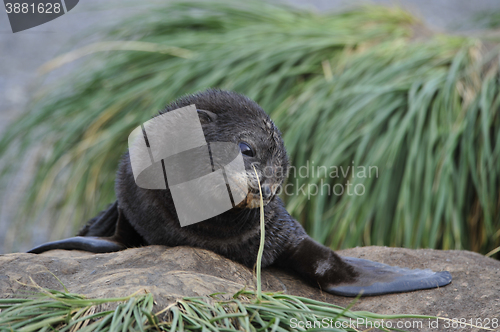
235	233
147	217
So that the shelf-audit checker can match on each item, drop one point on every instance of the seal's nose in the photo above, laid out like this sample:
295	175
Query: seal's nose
266	191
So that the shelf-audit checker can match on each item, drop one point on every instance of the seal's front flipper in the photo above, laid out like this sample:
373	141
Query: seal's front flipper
86	243
374	278
348	276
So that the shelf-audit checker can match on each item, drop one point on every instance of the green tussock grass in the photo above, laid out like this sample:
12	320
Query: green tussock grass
368	87
53	310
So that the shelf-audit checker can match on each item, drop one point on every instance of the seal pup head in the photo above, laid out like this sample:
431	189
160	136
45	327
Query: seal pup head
228	116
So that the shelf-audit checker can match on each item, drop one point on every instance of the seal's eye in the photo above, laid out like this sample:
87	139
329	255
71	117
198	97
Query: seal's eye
246	149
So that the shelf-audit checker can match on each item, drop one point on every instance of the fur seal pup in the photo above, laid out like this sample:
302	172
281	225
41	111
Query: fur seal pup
142	217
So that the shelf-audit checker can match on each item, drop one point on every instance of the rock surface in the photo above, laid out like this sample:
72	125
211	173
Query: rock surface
171	273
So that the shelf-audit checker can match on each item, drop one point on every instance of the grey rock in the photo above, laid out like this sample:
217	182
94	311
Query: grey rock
172	273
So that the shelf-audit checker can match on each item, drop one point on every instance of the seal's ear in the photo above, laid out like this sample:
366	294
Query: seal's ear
206	117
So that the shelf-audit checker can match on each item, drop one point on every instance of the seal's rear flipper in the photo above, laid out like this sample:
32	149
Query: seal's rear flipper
376	278
109	231
86	243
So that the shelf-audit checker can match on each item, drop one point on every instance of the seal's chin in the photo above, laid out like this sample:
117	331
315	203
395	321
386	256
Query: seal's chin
252	201
255	203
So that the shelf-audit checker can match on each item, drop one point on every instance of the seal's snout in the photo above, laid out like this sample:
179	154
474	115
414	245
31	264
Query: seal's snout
267	193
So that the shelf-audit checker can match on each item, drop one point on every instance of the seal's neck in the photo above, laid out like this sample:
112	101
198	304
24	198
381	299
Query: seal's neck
229	223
